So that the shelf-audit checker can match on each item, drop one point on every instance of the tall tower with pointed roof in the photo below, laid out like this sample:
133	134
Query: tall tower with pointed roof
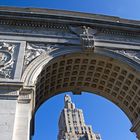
72	125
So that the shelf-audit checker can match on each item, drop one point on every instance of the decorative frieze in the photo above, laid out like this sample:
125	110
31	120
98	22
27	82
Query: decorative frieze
47	29
119	32
101	33
27	23
118	38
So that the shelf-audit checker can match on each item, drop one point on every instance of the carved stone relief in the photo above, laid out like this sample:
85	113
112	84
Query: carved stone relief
87	38
7	59
134	55
33	50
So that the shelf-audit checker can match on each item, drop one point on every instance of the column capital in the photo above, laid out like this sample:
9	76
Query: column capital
25	95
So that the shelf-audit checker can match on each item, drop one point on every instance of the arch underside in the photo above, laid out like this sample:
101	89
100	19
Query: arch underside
102	75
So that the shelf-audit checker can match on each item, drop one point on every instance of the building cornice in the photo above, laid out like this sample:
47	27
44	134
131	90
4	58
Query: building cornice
35	16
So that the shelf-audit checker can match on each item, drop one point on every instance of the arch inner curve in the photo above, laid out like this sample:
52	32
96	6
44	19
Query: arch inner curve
101	75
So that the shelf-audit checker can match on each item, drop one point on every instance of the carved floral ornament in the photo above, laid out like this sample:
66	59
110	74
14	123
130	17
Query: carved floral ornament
6	59
134	55
33	50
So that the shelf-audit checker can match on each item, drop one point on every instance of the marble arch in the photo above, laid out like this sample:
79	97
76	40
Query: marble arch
45	52
102	75
103	72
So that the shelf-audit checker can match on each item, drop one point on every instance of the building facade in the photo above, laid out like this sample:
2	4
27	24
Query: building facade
72	124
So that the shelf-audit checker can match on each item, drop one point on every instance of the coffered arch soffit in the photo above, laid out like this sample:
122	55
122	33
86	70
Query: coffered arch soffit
103	72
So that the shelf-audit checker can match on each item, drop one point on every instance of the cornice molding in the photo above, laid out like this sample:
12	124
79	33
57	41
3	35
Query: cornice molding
109	31
32	23
120	33
35	17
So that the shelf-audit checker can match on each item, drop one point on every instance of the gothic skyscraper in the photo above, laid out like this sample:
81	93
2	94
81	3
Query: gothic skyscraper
72	125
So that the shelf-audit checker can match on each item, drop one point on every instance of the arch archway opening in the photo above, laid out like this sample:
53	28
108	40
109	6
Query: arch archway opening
105	76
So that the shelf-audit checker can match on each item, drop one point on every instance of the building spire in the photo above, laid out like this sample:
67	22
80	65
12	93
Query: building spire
68	103
67	98
72	125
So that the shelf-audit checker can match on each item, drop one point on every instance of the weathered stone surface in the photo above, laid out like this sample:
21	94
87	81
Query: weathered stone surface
7	118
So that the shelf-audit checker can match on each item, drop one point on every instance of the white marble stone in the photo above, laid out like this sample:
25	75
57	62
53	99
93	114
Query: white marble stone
7	118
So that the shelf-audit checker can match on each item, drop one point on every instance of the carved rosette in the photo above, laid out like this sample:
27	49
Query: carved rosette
7	59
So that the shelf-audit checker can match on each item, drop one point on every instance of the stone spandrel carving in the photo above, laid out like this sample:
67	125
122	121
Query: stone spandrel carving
34	50
135	55
7	59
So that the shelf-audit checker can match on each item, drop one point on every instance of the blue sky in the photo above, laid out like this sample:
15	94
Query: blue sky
122	8
105	117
